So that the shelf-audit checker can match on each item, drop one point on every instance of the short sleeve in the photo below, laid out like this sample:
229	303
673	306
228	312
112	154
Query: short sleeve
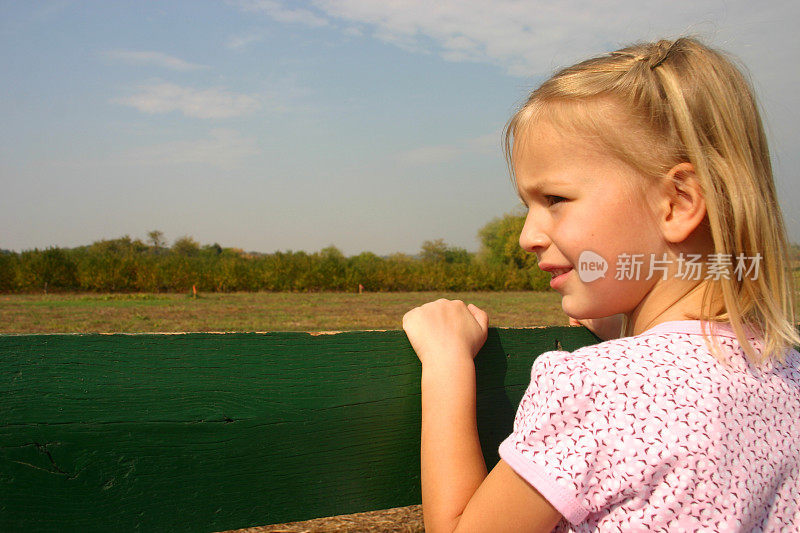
651	432
566	442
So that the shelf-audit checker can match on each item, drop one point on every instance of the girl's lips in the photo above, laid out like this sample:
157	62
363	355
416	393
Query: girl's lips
559	277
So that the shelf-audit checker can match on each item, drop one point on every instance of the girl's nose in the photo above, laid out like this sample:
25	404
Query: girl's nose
532	238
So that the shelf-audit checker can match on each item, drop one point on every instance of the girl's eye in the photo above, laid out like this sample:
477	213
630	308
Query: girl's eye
553	199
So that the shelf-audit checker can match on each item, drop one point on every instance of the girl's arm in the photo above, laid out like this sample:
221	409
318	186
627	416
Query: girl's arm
457	494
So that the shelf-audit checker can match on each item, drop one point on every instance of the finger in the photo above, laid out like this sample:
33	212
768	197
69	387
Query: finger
480	315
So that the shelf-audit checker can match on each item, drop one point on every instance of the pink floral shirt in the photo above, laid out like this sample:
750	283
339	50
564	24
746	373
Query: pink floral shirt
652	433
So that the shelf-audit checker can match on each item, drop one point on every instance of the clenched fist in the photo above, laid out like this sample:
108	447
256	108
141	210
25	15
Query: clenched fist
446	329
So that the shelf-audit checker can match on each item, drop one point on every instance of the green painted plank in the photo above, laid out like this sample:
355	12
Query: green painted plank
206	432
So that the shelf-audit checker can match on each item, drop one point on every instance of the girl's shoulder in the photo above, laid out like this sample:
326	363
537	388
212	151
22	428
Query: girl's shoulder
672	338
656	408
664	340
670	351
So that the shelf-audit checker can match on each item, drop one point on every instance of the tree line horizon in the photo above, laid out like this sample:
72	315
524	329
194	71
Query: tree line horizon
132	265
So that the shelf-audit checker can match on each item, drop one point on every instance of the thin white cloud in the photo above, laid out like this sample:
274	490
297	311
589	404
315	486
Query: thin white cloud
222	148
353	31
281	13
489	143
443	153
149	58
429	155
528	38
239	42
198	103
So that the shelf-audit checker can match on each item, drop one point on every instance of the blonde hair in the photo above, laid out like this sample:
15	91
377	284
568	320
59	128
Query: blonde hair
684	102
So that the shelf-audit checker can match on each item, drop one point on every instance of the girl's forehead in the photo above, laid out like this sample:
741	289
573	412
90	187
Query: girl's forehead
543	148
534	131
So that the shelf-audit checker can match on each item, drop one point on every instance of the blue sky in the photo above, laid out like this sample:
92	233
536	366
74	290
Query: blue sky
271	125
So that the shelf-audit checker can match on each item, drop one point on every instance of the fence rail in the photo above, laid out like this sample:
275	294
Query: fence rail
208	432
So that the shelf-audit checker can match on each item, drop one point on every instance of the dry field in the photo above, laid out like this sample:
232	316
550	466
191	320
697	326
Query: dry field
139	313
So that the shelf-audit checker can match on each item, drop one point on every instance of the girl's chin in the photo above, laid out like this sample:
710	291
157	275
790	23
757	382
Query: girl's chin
578	312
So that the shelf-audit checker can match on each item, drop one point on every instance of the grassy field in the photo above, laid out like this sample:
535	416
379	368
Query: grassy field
134	313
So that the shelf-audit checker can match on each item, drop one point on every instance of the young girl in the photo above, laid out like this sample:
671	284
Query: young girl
652	162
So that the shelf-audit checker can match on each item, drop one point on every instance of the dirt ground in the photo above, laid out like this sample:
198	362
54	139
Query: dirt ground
398	520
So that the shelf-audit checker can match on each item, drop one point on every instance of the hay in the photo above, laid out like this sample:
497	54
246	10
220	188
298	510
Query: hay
397	520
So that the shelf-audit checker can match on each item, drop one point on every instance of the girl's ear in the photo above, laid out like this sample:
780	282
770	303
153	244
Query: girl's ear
683	204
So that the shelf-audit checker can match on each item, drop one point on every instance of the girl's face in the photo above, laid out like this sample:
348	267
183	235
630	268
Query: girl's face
584	211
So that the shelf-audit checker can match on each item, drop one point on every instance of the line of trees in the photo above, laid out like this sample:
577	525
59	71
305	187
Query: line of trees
131	265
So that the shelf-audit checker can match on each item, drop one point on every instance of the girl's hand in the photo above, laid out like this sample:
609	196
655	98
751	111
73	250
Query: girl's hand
605	328
446	329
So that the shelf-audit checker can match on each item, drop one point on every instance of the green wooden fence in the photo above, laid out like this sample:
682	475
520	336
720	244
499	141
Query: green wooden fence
208	432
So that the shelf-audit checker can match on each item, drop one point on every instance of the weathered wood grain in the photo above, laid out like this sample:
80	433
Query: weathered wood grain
207	432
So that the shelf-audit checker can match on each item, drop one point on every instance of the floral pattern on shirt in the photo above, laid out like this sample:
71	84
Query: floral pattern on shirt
652	433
